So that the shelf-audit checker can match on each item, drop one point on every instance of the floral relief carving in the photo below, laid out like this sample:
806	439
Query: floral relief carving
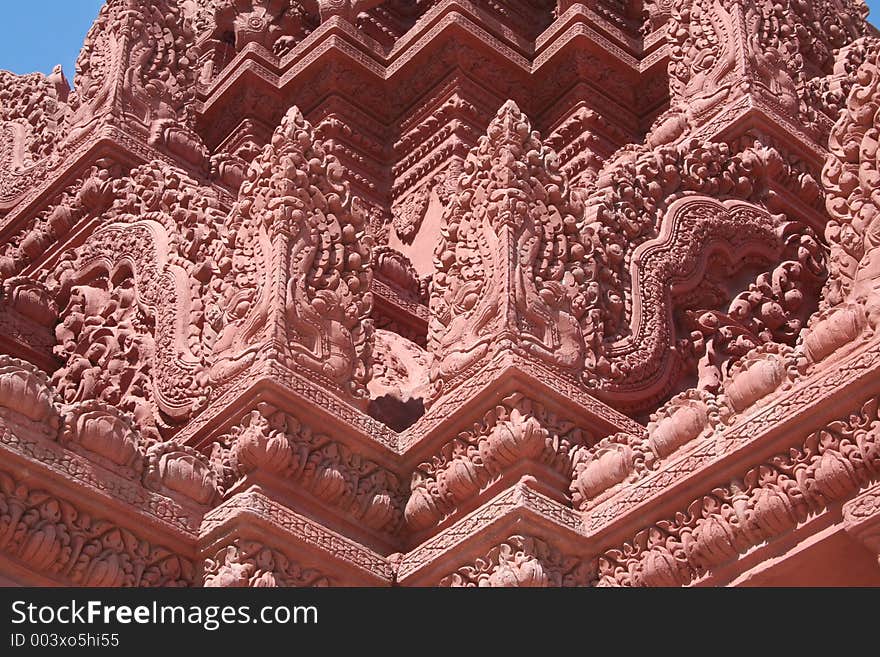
106	433
517	430
25	393
395	317
771	499
271	441
52	536
623	458
176	469
524	561
248	563
861	517
611	328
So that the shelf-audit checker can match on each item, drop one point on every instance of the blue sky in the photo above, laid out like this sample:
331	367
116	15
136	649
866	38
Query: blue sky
37	34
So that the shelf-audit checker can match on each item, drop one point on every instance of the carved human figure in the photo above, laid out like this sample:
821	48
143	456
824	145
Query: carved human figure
326	345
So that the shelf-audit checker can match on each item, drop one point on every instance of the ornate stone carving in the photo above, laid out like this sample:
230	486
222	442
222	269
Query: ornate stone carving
694	228
276	25
517	430
302	266
861	517
770	499
132	327
28	314
398	385
347	9
103	432
507	267
599	471
569	332
79	203
850	298
31	117
248	563
24	392
274	442
54	537
721	50
523	561
131	47
174	469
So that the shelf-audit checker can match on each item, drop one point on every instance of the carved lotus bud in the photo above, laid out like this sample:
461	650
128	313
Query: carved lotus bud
712	543
185	143
604	471
24	391
840	326
834	476
754	382
658	568
34	244
182	470
771	512
42	547
681	427
518	438
60	220
394	267
255	450
421	510
458	480
526	574
380	510
32	300
105	572
103	432
94	193
329	482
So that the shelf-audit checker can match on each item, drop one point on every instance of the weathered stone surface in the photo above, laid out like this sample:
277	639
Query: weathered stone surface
457	292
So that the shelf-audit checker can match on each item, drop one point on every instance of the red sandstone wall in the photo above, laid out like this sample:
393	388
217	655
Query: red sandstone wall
443	293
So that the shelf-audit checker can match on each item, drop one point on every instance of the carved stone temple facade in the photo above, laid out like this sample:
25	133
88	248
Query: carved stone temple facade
444	292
